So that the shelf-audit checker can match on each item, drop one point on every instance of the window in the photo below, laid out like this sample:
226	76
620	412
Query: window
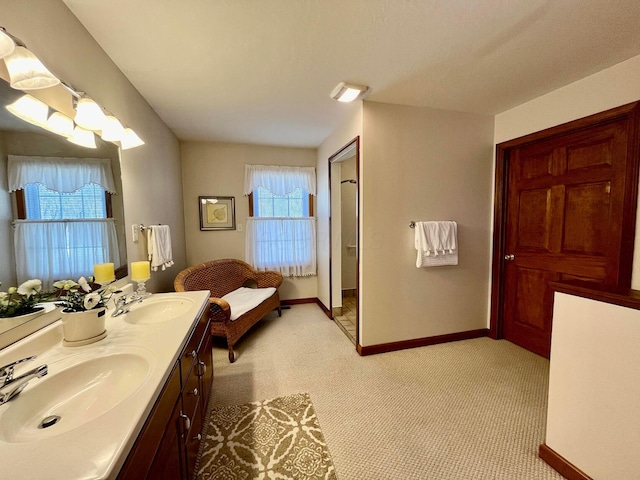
263	203
61	235
281	231
40	203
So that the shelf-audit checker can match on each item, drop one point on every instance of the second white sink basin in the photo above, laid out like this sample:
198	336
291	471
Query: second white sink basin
158	309
72	397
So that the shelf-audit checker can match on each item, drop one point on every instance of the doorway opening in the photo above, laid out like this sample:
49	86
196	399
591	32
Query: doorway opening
344	183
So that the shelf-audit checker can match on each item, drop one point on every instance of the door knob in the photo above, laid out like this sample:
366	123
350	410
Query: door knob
509	256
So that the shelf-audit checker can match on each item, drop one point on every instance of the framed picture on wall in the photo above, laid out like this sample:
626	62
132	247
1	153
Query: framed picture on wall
217	213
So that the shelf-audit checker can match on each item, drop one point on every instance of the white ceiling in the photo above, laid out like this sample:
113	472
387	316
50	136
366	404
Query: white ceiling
260	71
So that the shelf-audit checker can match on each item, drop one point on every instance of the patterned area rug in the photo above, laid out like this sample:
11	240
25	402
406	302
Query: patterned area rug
272	439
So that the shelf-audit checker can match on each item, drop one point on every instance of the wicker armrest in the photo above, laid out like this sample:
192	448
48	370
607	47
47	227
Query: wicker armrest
223	312
268	279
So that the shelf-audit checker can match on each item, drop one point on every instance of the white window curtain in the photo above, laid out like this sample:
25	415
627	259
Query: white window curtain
279	180
286	245
62	174
54	250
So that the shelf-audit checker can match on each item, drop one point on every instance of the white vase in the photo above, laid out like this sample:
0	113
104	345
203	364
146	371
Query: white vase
82	328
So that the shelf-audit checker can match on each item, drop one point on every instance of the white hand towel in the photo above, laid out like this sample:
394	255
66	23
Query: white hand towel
159	247
436	243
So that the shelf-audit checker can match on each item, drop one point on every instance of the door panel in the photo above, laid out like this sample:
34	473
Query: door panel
565	201
587	212
534	219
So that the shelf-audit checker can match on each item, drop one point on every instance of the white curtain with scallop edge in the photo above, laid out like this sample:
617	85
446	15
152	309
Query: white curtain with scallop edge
61	174
279	180
286	245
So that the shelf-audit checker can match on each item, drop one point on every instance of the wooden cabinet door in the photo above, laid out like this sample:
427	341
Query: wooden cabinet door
566	197
170	461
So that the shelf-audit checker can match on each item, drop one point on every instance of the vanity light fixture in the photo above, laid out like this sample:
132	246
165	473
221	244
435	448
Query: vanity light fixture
112	130
83	137
30	109
348	92
26	71
130	140
89	114
7	45
61	124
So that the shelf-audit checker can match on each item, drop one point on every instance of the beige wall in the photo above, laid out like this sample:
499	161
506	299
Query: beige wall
423	164
601	91
210	168
340	137
152	188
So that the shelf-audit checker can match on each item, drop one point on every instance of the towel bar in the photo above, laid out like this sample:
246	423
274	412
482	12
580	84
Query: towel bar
412	224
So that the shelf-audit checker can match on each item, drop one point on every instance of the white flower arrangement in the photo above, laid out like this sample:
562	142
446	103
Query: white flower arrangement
23	299
81	295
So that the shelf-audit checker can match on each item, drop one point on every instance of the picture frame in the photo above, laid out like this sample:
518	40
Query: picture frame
217	213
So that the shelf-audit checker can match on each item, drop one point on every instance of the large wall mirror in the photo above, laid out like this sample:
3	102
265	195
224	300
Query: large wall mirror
18	137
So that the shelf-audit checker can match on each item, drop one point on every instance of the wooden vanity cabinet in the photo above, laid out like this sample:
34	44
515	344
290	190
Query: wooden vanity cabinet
168	444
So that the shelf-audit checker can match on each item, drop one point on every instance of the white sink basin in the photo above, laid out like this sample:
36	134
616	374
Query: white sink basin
77	395
158	309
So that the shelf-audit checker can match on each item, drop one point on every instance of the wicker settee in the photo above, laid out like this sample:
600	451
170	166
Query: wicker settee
221	277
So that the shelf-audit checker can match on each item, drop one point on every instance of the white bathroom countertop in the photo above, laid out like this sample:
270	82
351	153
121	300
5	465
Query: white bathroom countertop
97	447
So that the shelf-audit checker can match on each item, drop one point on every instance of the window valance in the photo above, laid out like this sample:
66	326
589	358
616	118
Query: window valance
61	174
279	180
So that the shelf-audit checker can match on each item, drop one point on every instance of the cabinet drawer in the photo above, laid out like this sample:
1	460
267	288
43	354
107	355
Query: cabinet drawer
189	357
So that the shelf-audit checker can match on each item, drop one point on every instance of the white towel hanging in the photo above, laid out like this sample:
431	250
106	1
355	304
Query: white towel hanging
436	243
159	247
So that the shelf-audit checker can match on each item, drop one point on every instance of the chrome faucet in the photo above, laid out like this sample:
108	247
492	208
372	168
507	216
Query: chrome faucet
11	386
123	303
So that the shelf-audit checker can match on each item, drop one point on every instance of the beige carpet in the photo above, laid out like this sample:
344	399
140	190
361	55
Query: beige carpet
474	409
272	439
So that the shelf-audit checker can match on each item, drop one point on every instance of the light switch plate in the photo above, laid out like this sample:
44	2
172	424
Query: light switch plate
135	232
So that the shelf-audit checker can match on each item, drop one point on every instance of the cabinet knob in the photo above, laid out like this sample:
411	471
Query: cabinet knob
193	392
198	437
510	256
192	354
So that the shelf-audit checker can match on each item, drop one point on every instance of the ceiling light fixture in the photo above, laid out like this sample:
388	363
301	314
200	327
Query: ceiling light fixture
348	92
89	114
130	140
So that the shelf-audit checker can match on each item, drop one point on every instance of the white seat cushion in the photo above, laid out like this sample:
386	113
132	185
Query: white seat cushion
244	299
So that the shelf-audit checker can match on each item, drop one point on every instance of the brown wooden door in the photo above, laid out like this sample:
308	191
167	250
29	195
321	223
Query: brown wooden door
565	207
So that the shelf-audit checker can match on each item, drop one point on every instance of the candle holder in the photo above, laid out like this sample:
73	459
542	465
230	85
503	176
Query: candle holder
142	290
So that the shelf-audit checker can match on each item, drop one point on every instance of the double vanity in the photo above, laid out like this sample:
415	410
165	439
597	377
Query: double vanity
130	406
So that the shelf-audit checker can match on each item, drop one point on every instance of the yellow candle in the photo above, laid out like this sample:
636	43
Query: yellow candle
140	271
103	273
